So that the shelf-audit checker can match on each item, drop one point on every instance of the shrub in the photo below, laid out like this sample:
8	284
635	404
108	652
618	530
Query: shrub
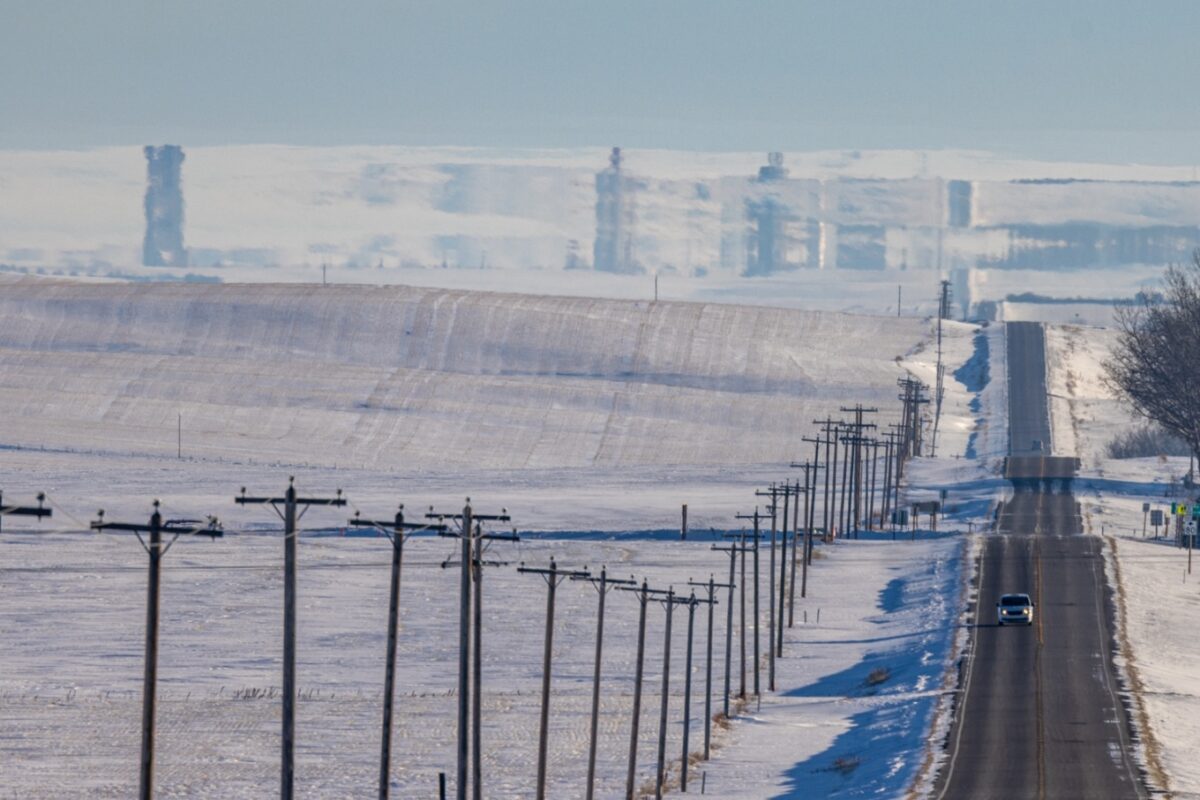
1147	441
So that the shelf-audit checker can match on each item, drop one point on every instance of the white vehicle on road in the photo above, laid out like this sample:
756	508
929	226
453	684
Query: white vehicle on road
1014	608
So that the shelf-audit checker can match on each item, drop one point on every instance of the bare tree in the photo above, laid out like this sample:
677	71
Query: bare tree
1152	365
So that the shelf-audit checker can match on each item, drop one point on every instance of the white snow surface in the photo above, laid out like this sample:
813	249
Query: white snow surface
409	385
71	707
577	415
1161	598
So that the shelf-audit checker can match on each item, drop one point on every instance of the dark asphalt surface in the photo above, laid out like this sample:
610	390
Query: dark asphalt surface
1040	714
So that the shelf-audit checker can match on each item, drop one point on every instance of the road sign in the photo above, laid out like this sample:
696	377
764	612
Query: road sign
1145	507
1156	517
1196	511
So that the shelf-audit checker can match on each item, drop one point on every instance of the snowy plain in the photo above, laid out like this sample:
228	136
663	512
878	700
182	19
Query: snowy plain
489	393
71	710
613	414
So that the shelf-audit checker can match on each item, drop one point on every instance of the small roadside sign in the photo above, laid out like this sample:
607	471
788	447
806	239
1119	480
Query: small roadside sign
1156	517
1145	507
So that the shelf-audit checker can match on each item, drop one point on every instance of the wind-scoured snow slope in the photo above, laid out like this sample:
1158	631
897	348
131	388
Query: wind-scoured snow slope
416	379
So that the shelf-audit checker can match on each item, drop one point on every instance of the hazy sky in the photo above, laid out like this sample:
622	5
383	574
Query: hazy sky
1077	79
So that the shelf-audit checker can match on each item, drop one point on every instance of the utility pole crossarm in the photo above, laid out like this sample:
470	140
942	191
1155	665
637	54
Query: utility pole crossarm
211	528
395	525
613	583
706	584
641	590
244	499
38	511
502	517
555	573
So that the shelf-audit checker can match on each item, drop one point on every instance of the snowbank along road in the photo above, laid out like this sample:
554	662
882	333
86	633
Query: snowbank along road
1040	714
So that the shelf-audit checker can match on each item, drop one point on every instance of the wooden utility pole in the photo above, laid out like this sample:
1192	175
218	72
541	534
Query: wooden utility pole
290	502
809	489
873	464
395	531
773	494
602	584
637	690
687	693
733	551
712	587
644	593
553	577
757	616
788	491
477	649
795	544
156	550
830	473
467	521
669	603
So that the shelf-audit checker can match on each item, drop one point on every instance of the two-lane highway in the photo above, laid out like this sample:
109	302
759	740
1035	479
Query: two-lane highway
1039	713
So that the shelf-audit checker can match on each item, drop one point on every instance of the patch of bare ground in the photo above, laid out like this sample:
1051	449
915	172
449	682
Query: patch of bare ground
671	770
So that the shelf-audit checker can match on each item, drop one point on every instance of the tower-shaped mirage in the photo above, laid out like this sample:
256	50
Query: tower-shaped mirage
613	248
163	244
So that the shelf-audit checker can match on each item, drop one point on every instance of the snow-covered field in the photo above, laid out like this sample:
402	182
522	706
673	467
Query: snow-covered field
405	391
856	688
1159	600
577	415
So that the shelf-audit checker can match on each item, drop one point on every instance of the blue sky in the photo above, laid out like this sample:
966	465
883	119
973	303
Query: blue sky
1061	79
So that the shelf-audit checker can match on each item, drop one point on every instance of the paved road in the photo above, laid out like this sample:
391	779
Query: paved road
1040	716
